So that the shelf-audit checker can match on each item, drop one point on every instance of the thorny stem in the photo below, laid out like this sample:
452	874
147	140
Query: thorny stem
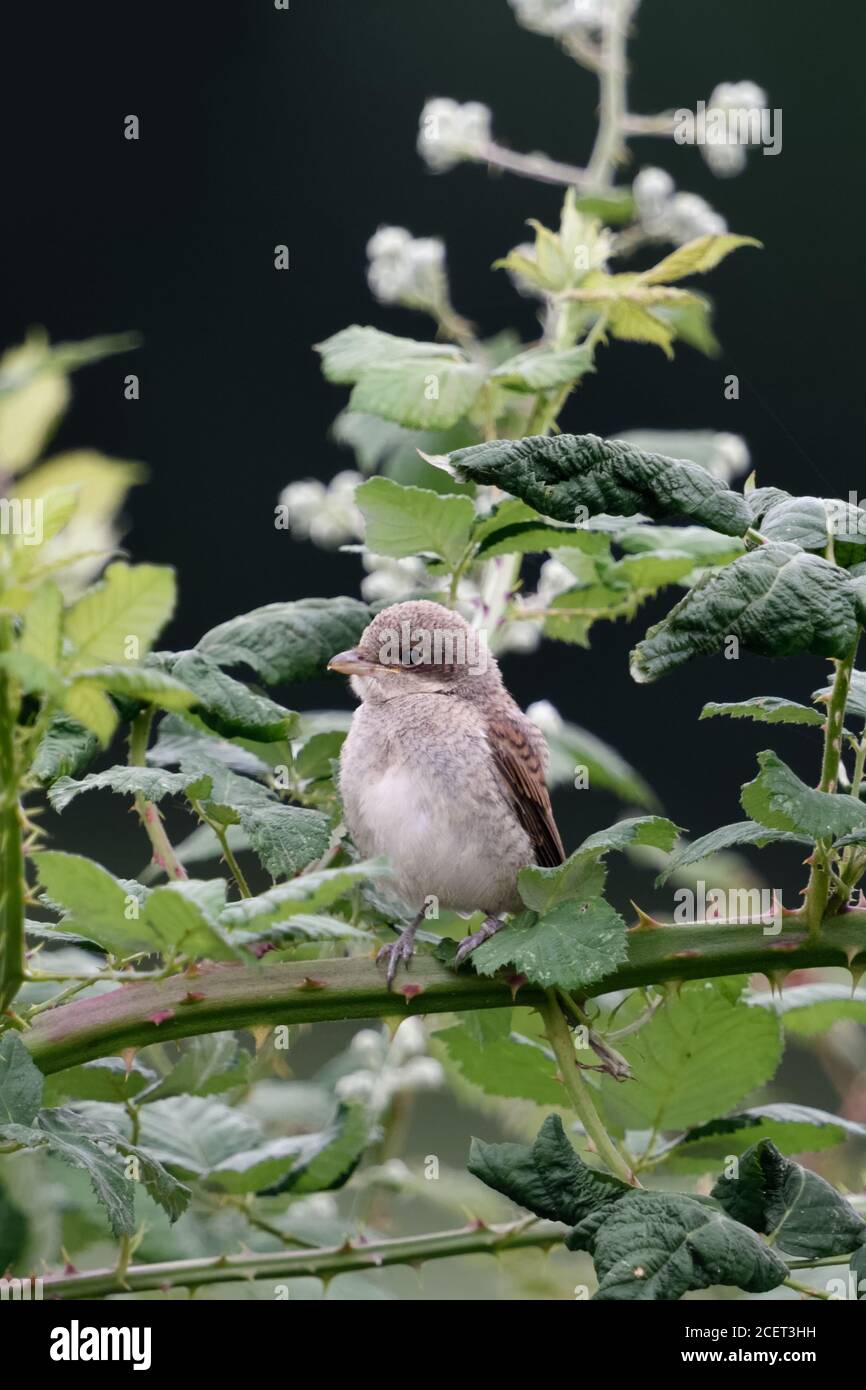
818	889
163	851
805	1289
296	1264
559	1037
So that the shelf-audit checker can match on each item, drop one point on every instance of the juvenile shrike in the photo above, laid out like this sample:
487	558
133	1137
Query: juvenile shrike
441	771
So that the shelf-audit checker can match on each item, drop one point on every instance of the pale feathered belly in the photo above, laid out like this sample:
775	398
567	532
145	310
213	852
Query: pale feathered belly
448	834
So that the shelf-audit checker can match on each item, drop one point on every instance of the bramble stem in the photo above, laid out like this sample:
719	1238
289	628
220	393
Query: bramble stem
559	1037
818	889
12	885
298	1264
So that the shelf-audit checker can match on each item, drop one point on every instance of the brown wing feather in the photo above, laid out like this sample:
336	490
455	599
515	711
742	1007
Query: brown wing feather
519	752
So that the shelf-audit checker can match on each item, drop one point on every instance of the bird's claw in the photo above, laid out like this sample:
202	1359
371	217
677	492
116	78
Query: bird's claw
489	927
400	950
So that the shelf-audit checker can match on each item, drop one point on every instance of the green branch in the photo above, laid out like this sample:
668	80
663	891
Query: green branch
299	1264
227	997
12	885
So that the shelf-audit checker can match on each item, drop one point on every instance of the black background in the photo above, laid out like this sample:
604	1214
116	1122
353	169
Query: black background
260	127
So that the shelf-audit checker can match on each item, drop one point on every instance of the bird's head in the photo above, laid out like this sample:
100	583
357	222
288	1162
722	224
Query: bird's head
419	648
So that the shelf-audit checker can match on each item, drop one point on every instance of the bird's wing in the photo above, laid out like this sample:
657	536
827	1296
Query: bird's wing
519	752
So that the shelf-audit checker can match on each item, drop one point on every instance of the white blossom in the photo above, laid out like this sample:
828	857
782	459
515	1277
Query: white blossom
324	514
559	18
391	1066
725	153
545	716
731	456
666	215
407	270
390	579
451	131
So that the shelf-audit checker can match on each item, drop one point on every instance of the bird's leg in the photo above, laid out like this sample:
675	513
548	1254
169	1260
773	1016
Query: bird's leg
401	949
489	927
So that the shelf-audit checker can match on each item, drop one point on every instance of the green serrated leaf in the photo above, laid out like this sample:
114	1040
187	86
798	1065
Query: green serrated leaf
574	944
404	521
285	642
543	368
765	709
696	257
745	832
228	706
130	601
796	1208
154	783
504	1066
776	600
559	476
675	1060
778	799
354	350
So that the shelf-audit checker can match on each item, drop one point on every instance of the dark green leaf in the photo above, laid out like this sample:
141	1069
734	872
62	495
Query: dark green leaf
21	1082
801	1212
574	944
765	709
776	600
559	476
778	799
285	642
744	832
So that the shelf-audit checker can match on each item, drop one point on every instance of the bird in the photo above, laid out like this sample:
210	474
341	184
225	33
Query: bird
442	772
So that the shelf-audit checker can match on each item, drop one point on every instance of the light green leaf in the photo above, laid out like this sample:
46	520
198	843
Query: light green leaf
675	1060
576	943
776	600
208	1064
410	520
193	1134
807	1010
426	393
778	799
285	642
181	924
765	709
131	601
696	257
87	703
31	674
145	684
41	635
98	907
796	1208
107	1079
543	368
507	1066
704	546
558	476
285	838
347	355
648	573
657	831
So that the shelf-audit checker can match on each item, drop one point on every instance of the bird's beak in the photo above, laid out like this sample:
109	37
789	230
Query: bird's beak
351	663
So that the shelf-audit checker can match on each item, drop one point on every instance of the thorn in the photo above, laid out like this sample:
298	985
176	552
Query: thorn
684	955
129	1054
644	921
515	984
857	972
309	983
777	981
409	991
160	1016
192	997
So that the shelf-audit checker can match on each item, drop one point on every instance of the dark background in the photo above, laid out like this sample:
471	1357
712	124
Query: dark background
261	127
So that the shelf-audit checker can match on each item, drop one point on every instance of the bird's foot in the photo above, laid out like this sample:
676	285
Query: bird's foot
489	927
400	950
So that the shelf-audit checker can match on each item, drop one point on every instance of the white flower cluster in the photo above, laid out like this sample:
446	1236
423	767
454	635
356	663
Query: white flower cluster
727	156
407	270
326	515
560	18
666	215
451	131
389	1066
